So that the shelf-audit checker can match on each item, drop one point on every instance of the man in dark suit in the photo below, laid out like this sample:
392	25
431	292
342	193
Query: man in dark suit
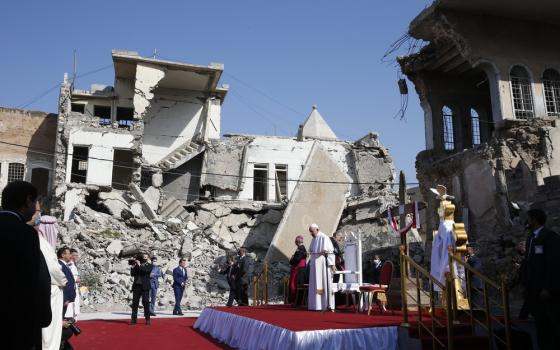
243	277
231	269
141	287
179	281
26	295
541	271
69	292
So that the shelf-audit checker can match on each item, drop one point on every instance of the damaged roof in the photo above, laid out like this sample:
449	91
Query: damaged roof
179	75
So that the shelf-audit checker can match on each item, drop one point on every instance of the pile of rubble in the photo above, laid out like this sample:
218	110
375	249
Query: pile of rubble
108	228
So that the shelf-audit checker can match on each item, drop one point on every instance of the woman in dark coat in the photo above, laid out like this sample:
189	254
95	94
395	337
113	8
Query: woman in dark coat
297	261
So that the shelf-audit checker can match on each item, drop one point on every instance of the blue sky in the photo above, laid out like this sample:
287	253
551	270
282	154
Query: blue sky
280	57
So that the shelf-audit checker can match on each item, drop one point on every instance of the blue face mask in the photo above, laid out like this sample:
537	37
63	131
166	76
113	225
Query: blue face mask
38	220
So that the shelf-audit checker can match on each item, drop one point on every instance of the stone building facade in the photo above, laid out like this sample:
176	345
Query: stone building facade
27	147
489	85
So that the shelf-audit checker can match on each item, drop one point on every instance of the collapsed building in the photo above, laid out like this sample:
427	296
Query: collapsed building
489	85
141	167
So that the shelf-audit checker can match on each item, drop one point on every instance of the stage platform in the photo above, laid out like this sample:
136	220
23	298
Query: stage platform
284	328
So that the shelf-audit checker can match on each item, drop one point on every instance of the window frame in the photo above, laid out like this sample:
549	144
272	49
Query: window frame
445	130
522	113
555	91
475	136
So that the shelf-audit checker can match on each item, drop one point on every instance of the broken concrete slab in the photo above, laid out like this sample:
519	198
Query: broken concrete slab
137	193
152	196
319	197
174	224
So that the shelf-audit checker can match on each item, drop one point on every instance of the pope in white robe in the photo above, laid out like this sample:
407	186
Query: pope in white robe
440	257
52	334
320	295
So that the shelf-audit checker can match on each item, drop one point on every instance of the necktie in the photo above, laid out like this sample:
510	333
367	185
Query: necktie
529	252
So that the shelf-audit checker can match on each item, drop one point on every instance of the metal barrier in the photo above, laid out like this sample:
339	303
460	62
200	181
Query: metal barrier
489	303
420	274
260	286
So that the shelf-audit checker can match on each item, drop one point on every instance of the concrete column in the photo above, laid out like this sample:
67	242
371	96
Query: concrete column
499	90
428	124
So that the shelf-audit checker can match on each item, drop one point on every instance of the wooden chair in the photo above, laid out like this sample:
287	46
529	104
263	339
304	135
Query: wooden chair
378	291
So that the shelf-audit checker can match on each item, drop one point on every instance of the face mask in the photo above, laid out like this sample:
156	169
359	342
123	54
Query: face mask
38	220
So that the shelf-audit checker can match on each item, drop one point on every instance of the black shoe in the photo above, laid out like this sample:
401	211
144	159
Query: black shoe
153	314
180	313
132	322
229	305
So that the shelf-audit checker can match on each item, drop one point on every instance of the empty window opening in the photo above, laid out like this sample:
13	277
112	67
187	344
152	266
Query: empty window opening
15	172
103	113
448	136
40	179
521	93
551	83
122	169
78	107
260	182
475	127
80	157
145	179
125	116
281	182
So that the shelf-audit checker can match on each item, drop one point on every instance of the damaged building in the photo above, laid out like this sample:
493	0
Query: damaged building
142	166
489	85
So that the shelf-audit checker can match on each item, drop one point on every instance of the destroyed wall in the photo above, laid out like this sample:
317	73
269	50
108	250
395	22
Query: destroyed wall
173	117
222	165
74	128
486	181
28	139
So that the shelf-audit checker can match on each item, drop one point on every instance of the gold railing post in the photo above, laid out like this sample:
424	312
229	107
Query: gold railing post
449	294
255	289
453	287
488	315
507	325
266	282
403	286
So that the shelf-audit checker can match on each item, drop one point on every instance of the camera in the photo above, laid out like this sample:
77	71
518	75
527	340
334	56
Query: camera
72	326
139	257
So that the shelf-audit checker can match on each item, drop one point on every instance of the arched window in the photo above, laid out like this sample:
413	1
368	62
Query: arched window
475	127
448	136
15	172
551	83
521	93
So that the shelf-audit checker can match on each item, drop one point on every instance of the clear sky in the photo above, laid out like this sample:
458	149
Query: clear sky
280	57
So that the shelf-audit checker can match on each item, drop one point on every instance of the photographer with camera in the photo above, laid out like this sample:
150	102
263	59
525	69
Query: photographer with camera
140	270
69	329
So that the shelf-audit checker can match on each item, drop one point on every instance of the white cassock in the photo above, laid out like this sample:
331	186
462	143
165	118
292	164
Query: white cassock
440	258
73	308
318	277
52	334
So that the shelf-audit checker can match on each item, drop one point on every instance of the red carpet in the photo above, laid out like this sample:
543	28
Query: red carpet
164	333
303	320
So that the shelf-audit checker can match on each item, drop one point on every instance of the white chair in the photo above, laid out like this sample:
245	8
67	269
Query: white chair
350	279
